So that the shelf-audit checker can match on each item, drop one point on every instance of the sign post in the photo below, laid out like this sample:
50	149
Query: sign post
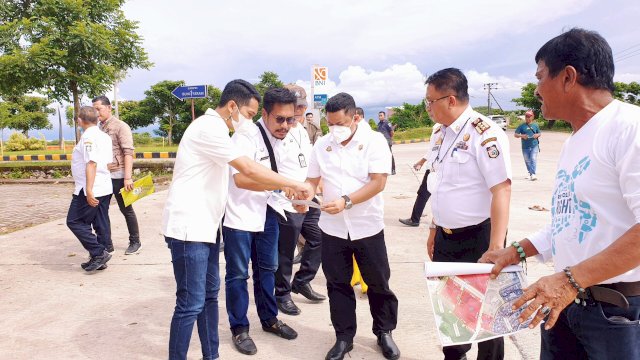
320	75
190	92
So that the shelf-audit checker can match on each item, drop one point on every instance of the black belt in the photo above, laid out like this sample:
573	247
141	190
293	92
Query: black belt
465	229
615	294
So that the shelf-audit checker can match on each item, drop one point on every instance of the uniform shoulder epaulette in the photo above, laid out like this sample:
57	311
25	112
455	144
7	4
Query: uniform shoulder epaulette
480	125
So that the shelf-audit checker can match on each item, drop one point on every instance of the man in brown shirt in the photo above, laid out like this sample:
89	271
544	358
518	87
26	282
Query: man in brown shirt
121	167
313	131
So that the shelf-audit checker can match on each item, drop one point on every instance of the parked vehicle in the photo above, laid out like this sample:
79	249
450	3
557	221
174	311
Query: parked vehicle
501	120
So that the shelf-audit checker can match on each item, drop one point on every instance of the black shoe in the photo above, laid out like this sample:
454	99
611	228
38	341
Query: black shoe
133	248
85	264
244	343
288	307
409	222
393	172
281	329
221	248
110	249
307	291
97	262
298	258
389	348
339	350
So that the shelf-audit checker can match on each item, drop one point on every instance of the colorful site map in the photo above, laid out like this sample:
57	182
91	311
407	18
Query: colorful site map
468	306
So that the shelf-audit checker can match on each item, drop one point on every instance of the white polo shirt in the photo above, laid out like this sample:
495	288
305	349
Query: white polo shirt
198	192
596	198
346	169
467	159
246	209
94	145
292	158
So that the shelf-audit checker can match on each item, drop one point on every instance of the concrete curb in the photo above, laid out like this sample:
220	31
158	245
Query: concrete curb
58	157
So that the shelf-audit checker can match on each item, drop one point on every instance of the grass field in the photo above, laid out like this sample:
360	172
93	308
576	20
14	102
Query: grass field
410	134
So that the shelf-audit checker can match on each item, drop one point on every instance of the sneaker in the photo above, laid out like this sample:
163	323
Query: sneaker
528	177
409	222
98	262
133	248
85	264
110	249
534	177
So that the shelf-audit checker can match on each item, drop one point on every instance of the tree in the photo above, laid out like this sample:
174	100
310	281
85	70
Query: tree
136	114
485	110
268	80
26	113
627	92
210	102
173	114
410	116
66	48
529	100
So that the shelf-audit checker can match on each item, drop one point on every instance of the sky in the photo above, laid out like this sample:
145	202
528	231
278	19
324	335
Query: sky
378	51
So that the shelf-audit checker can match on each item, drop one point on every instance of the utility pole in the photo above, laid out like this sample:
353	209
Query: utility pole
489	87
60	128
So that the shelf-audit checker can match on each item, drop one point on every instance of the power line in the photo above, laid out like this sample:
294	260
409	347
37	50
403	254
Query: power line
627	49
489	87
628	55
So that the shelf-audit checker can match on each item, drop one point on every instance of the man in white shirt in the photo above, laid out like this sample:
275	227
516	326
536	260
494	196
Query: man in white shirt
92	194
292	159
194	210
470	185
353	163
251	225
592	302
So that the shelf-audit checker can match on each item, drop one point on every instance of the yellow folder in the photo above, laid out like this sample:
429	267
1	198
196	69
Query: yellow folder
141	188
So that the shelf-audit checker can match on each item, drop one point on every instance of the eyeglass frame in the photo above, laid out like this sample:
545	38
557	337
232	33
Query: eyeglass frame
428	103
280	119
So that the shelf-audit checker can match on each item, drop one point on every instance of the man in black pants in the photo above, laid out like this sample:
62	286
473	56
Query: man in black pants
470	183
353	163
292	160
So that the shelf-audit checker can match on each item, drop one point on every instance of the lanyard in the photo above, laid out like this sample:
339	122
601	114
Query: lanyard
438	159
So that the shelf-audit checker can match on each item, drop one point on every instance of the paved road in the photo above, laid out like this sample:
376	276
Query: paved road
52	309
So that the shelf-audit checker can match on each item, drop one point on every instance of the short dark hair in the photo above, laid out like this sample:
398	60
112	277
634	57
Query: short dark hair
278	96
88	114
240	91
103	100
382	112
587	51
307	114
341	101
450	79
360	111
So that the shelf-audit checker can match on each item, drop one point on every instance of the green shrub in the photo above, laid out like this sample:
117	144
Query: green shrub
142	139
18	142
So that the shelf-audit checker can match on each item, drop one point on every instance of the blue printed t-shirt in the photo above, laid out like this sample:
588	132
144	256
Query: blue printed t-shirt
530	142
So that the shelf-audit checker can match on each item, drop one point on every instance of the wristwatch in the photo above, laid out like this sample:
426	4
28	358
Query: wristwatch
347	202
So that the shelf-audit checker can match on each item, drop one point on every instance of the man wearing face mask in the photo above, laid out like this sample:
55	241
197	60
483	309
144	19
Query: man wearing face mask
353	162
194	210
470	185
251	226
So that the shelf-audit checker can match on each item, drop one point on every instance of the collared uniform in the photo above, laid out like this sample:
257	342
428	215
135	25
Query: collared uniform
292	158
251	235
467	159
355	232
94	146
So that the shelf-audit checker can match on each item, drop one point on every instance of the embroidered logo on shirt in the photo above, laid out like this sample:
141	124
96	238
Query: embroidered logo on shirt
480	126
493	151
566	206
466	137
328	148
488	141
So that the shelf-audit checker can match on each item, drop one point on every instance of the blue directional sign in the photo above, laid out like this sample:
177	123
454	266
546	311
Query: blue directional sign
190	92
320	100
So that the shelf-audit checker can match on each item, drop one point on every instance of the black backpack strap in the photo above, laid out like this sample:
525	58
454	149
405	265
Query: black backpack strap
267	143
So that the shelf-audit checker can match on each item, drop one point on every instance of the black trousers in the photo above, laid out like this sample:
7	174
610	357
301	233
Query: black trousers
421	200
337	264
129	214
82	219
467	246
290	230
393	161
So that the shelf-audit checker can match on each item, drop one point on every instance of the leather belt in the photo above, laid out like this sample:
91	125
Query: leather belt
615	294
464	229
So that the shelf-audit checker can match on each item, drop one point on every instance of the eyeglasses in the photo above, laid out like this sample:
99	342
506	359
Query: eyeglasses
428	103
289	120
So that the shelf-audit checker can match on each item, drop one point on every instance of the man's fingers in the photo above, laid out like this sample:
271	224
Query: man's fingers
527	295
537	319
551	320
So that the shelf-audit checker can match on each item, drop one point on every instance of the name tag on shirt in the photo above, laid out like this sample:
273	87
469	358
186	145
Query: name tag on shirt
302	160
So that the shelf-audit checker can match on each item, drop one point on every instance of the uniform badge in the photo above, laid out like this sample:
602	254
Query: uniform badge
88	146
462	145
439	141
466	137
360	147
493	151
328	148
480	126
488	141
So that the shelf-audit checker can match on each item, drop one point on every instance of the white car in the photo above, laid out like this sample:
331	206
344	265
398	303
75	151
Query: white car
500	120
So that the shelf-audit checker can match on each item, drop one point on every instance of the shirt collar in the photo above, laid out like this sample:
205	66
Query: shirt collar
458	124
89	130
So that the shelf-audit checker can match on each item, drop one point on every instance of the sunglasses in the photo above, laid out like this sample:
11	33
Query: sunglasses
289	120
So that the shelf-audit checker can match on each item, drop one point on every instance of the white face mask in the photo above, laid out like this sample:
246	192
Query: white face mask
238	123
340	133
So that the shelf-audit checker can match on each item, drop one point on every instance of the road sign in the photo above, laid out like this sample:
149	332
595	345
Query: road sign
190	92
319	101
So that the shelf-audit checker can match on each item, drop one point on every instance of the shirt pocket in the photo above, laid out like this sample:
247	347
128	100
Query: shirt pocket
356	167
460	161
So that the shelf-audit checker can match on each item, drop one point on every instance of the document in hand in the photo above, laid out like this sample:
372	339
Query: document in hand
141	188
469	306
